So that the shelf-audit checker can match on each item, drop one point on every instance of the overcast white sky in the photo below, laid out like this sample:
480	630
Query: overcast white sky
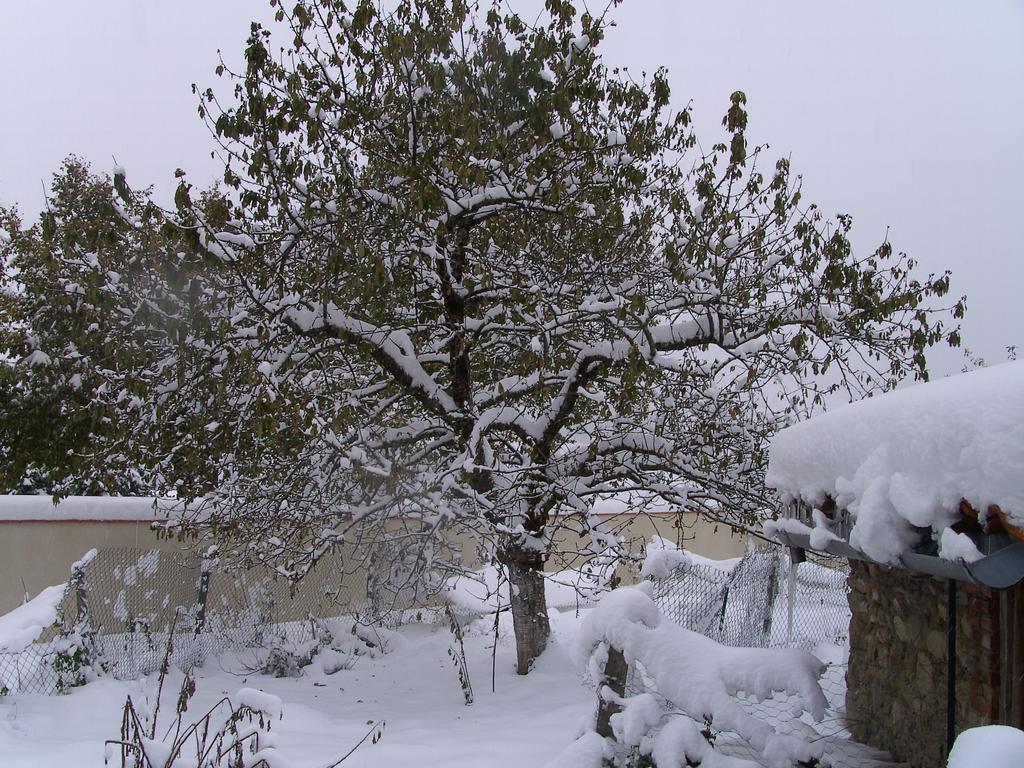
906	114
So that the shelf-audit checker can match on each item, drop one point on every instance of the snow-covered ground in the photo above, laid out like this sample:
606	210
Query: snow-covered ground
414	689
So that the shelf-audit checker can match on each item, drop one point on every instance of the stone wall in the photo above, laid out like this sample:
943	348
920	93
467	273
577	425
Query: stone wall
978	656
897	678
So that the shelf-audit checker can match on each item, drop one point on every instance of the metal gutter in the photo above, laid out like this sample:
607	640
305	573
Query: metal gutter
1002	567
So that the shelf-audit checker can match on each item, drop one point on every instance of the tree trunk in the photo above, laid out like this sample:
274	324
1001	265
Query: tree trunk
529	608
615	672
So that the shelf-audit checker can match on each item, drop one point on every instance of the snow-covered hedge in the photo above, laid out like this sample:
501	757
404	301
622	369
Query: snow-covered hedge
697	681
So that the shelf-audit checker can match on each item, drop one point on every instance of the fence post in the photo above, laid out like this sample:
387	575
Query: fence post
373	587
773	591
81	595
205	566
721	615
77	582
615	672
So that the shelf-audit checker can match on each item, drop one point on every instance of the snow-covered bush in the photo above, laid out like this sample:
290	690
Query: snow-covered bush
698	683
77	656
288	659
332	648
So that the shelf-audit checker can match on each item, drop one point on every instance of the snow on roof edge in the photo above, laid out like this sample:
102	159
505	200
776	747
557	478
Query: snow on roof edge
905	459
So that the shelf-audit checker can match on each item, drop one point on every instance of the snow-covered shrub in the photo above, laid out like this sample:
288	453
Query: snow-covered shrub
77	656
331	648
351	641
288	659
698	683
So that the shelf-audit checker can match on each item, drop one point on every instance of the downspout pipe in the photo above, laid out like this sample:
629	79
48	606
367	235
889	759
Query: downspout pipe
950	663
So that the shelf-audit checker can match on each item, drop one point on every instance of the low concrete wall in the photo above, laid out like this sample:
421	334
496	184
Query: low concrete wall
35	553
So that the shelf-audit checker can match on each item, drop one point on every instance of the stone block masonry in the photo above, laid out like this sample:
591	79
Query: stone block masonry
897	678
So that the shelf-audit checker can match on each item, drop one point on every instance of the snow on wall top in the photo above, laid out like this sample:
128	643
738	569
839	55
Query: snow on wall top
908	457
92	508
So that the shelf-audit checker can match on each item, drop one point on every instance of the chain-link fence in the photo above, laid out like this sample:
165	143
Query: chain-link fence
768	600
121	607
749	603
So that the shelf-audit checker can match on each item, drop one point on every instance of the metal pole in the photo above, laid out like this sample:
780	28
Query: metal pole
950	664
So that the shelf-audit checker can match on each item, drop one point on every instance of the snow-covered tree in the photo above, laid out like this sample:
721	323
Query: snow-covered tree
466	279
58	344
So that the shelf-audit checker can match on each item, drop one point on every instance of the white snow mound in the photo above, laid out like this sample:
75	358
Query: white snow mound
663	557
987	747
908	457
20	627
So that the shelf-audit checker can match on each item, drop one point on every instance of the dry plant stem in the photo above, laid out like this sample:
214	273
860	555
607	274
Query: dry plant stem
494	649
225	742
132	723
459	656
164	667
376	731
497	617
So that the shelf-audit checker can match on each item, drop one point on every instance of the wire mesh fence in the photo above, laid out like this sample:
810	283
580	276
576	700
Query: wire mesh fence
749	604
769	600
121	607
